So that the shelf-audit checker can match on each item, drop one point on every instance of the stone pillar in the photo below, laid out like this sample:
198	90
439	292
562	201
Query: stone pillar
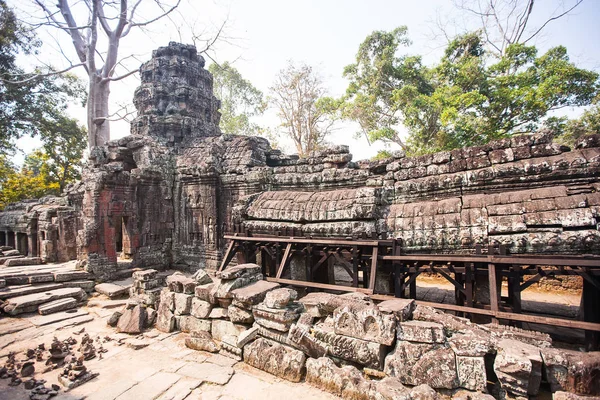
2	238
32	248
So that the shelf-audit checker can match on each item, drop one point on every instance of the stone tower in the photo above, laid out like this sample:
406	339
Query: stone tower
175	99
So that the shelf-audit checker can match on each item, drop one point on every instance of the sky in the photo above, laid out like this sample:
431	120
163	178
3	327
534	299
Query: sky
260	36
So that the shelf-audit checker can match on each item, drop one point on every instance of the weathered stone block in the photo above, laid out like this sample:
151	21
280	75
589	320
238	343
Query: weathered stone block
303	340
239	315
279	319
201	340
471	373
183	303
280	298
320	304
346	382
238	271
365	322
221	328
133	320
203	292
401	308
418	363
252	294
165	319
421	332
200	308
188	323
518	367
57	305
276	359
572	371
367	353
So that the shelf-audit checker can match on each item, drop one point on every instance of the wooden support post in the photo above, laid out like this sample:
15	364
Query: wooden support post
398	279
228	255
284	260
494	295
355	266
469	287
373	273
590	299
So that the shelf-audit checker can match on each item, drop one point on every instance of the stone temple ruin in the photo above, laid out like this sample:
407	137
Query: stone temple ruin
165	197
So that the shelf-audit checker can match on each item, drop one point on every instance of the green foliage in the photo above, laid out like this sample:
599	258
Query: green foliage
240	100
381	155
468	98
27	100
32	181
567	131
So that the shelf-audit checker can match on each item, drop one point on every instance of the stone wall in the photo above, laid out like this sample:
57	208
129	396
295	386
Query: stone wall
165	195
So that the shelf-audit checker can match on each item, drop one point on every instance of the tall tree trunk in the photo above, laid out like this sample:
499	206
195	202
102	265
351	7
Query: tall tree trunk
97	112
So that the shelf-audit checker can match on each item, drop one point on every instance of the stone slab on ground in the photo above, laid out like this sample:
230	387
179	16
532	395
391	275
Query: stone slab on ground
30	303
88	286
112	290
10	325
64	276
208	372
42	320
57	306
152	387
22	290
17	262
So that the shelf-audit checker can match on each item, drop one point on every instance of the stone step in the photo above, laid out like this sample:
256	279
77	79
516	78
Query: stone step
65	276
112	290
23	290
57	305
88	286
30	302
19	275
23	261
6	258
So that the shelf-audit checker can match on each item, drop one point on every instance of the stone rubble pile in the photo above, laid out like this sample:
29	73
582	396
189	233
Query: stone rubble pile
63	356
349	346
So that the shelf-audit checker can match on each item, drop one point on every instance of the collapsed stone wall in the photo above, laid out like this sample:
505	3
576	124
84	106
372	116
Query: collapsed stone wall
165	195
350	346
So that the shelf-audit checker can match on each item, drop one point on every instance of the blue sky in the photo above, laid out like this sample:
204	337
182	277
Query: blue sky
264	34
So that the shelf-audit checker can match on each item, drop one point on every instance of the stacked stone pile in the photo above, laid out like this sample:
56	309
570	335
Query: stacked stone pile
356	349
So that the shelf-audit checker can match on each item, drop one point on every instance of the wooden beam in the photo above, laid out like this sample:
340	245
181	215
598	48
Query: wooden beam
329	242
373	272
286	255
323	286
534	319
493	289
228	255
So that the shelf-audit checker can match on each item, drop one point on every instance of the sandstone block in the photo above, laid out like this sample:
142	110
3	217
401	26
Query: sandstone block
422	363
346	382
114	319
112	290
320	304
366	323
280	298
238	271
132	320
518	367
31	302
188	323
471	344
247	336
201	277
572	371
201	340
303	340
279	319
200	308
363	352
57	305
401	308
221	328
218	312
276	359
471	373
203	292
240	315
183	303
252	294
421	332
165	319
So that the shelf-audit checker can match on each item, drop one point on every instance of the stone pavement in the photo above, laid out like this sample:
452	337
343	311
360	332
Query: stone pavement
150	366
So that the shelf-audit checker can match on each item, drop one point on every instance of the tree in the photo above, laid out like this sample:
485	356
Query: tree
567	131
297	95
114	20
63	143
25	105
504	23
464	100
240	100
32	181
